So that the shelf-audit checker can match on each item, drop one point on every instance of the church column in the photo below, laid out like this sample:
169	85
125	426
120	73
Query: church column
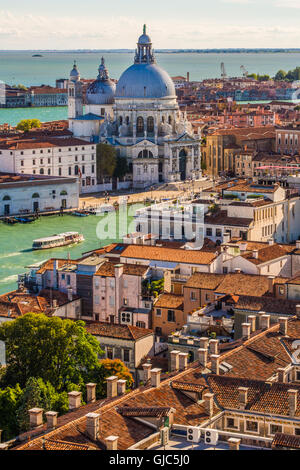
134	126
155	128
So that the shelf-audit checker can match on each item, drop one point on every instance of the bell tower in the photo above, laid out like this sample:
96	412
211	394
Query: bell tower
144	51
75	101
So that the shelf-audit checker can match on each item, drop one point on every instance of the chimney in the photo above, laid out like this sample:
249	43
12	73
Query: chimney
214	346
283	324
155	377
183	361
112	386
35	417
298	244
54	303
203	343
209	404
215	363
121	387
271	284
202	355
264	321
174	360
281	375
92	425
51	419
91	392
271	241
70	294
112	443
255	254
119	270
298	311
226	237
293	395
147	372
234	443
74	400
243	396
246	330
252	321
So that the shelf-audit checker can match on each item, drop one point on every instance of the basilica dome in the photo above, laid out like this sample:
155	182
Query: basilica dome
102	90
145	79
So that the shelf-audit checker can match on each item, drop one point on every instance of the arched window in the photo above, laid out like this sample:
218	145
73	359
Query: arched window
127	120
63	193
170	119
140	125
76	170
41	171
35	195
163	119
6	198
145	154
150	124
120	120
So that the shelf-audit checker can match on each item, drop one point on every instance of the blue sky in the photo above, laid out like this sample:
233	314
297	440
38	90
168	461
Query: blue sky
103	24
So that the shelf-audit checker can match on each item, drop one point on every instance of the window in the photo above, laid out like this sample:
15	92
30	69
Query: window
68	279
252	426
193	295
209	232
22	162
109	353
218	232
140	125
141	324
274	428
231	423
125	301
225	270
33	162
171	316
126	355
158	312
298	375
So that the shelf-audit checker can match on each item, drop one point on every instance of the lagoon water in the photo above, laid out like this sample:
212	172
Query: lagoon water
16	242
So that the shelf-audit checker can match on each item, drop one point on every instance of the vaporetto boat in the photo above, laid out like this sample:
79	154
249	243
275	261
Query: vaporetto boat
61	239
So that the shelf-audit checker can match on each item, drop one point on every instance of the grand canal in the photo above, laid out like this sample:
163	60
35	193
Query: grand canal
16	241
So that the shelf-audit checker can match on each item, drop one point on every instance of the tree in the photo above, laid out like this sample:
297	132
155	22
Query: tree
26	124
121	167
58	351
280	75
108	368
106	158
9	403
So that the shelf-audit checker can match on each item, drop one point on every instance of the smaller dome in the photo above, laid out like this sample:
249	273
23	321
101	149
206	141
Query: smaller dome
102	90
144	39
74	72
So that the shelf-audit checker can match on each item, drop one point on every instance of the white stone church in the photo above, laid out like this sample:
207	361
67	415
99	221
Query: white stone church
140	117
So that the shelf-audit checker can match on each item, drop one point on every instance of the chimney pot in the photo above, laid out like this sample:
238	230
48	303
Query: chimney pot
283	325
92	425
243	397
255	254
51	419
155	377
36	417
174	360
252	321
112	443
234	443
202	355
183	360
215	363
246	330
147	372
112	386
293	396
203	343
298	311
121	387
214	346
209	404
91	392
264	321
74	400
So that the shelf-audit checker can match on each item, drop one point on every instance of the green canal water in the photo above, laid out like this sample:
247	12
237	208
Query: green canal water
16	241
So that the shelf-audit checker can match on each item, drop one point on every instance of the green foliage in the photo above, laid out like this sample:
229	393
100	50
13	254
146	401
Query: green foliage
153	288
121	167
58	351
106	158
280	75
27	124
108	368
9	403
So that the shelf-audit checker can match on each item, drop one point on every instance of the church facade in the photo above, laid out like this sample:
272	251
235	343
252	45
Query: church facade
140	117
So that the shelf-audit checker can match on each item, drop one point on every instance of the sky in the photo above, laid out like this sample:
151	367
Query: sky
172	24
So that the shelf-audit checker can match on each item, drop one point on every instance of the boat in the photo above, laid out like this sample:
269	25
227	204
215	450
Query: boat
105	209
61	239
10	220
81	213
37	55
25	220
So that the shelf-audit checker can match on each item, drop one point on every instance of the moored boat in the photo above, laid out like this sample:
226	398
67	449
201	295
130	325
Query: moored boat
61	239
81	213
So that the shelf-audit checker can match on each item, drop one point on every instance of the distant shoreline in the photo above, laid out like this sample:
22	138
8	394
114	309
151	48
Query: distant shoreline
161	51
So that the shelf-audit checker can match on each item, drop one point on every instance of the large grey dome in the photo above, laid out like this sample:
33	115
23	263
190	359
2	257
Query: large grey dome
102	90
145	81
